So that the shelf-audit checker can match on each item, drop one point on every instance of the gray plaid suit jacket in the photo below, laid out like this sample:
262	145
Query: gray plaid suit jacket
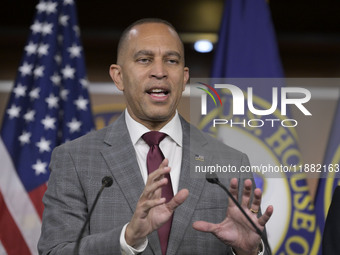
77	169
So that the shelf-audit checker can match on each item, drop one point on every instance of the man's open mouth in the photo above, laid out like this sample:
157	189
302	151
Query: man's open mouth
158	92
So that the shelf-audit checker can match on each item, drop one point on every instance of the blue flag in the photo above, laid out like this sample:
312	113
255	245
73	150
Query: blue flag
247	57
48	106
246	45
331	179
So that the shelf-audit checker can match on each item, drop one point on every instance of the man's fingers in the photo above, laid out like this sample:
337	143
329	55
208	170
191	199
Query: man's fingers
233	190
246	193
149	204
255	206
178	199
204	226
155	181
164	163
266	216
150	190
159	173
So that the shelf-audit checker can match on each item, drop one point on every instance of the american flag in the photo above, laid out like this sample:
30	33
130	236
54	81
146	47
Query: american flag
49	105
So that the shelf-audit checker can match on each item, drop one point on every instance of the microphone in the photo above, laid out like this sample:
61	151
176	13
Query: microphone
213	178
106	182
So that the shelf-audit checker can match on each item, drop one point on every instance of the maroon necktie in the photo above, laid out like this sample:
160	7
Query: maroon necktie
153	160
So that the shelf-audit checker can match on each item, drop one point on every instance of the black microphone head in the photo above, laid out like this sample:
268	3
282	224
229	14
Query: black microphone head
211	177
107	181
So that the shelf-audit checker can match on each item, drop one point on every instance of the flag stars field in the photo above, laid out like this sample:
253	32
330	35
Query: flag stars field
63	20
31	48
63	94
68	2
29	116
46	28
13	112
48	7
81	103
36	27
74	125
48	122
84	83
56	79
39	72
76	30
58	59
52	101
34	94
43	50
44	145
19	91
74	51
48	106
25	138
26	69
68	72
39	167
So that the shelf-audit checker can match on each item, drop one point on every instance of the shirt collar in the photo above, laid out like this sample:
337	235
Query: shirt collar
173	129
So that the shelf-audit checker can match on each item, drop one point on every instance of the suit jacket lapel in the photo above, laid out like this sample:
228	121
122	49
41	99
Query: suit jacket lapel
124	168
122	161
183	214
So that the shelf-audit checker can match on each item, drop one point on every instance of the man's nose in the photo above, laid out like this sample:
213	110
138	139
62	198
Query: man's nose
159	70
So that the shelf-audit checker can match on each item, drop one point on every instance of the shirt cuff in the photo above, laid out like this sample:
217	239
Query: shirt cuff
260	252
127	249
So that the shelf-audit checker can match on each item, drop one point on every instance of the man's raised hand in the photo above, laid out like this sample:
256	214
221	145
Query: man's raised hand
152	211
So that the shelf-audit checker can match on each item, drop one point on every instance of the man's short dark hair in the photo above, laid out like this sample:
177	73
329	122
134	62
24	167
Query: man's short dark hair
140	22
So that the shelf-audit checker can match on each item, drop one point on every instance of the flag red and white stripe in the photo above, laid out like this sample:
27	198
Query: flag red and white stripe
18	215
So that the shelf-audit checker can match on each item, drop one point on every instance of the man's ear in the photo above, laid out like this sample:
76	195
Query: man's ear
117	76
186	77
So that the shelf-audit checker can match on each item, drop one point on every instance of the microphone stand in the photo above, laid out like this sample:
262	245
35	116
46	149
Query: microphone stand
106	182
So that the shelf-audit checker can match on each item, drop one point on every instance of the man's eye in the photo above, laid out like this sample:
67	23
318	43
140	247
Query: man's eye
173	61
143	60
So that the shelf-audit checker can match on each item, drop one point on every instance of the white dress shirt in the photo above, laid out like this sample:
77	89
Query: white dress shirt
171	146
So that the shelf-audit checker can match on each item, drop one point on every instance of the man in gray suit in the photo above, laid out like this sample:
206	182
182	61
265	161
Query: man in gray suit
151	73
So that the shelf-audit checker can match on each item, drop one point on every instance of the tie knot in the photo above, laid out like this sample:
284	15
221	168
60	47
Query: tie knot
153	137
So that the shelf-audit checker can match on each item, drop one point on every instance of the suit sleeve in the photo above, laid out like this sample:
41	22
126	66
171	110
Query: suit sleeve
66	208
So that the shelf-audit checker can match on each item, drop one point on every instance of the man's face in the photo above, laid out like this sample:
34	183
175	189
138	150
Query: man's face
151	73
